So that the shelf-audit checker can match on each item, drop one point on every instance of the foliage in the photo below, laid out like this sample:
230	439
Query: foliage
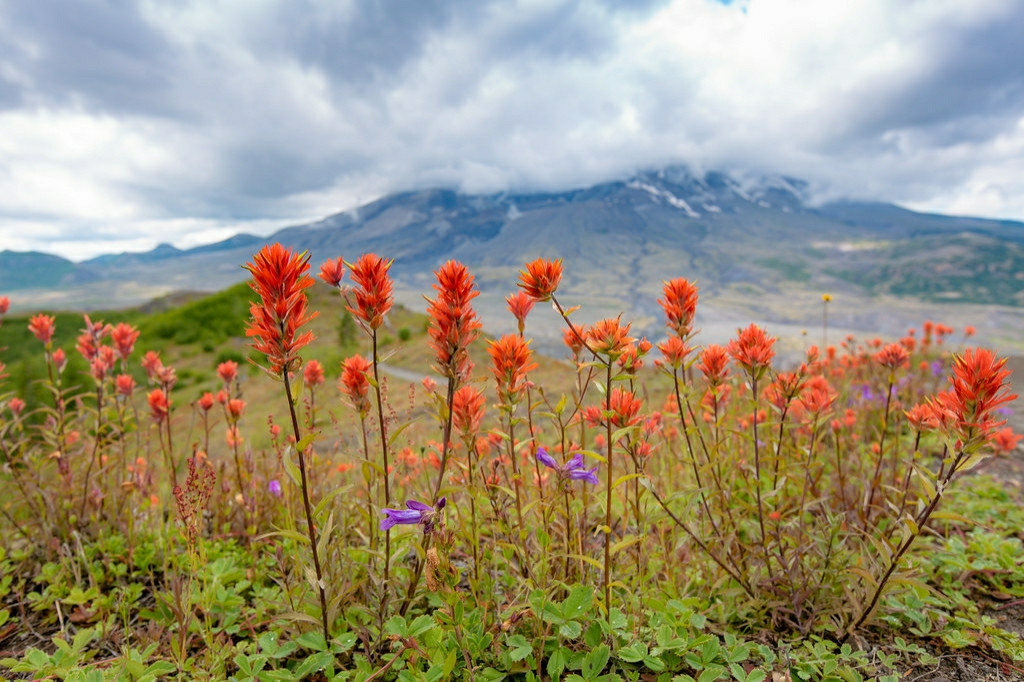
703	516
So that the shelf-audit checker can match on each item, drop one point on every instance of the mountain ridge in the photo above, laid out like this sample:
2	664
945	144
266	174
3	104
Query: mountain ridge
757	246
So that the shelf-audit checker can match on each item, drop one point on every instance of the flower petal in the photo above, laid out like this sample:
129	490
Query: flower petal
547	460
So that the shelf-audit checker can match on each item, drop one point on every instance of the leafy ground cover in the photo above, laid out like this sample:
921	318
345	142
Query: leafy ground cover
630	511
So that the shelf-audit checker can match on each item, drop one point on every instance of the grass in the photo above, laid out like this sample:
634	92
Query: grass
739	529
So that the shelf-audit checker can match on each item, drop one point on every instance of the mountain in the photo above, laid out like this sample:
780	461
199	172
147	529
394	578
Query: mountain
759	249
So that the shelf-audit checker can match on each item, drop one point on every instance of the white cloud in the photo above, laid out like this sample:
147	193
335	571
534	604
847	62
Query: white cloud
184	121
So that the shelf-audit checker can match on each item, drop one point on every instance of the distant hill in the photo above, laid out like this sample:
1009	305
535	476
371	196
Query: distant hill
757	247
28	270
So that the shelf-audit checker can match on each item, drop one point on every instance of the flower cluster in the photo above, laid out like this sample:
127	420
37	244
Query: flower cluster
373	290
541	278
453	322
279	277
511	359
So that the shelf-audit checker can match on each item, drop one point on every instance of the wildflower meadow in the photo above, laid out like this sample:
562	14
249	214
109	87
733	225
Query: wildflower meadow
633	509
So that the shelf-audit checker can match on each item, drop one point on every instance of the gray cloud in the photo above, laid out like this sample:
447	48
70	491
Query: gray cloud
138	121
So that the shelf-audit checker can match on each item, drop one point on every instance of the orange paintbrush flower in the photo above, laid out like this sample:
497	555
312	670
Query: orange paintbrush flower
453	322
541	278
714	364
625	410
159	405
332	271
1005	440
609	337
42	327
467	411
511	356
125	384
817	396
520	304
279	277
313	373
373	290
753	349
227	371
354	382
675	351
680	305
892	356
124	337
979	386
573	337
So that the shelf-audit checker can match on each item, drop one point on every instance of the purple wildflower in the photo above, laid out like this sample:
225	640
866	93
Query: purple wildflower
572	470
274	486
937	368
417	513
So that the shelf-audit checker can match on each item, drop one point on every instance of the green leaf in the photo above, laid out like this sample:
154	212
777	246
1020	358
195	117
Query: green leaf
160	669
314	641
305	442
595	661
632	653
712	673
578	602
570	629
556	663
593	635
315	663
519	648
421	625
622	544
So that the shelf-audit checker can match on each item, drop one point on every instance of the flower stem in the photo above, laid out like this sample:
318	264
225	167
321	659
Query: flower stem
311	530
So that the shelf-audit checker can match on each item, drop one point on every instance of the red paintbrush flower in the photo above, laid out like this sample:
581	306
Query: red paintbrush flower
752	349
235	408
313	374
922	417
125	384
714	364
206	402
279	277
817	396
86	346
467	411
373	290
159	405
5	304
979	386
520	304
332	271
1005	440
354	382
625	410
675	351
892	357
541	278
609	337
511	356
124	337
453	322
785	388
227	371
573	338
42	327
680	305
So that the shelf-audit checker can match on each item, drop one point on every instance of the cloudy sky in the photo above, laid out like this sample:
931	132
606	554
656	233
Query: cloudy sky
124	123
